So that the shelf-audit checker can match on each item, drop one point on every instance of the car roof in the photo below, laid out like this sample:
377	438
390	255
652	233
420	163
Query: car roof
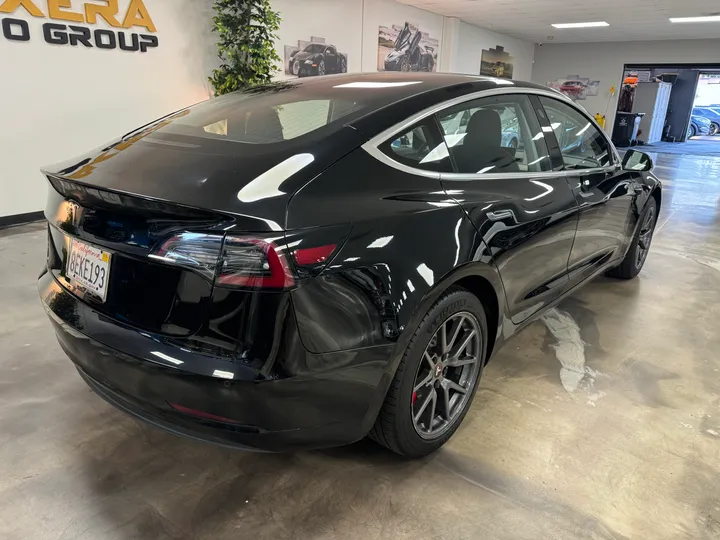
390	97
403	85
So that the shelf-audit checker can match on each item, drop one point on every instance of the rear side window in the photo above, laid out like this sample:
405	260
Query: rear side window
419	147
498	134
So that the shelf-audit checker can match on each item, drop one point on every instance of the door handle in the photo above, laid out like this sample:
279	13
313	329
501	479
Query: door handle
500	215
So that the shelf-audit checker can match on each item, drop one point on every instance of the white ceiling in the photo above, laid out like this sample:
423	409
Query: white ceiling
629	19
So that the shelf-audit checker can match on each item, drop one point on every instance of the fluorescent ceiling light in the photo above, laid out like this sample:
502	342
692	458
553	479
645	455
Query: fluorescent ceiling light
711	18
580	24
374	84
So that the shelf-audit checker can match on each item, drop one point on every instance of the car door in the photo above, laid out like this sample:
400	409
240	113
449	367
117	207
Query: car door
330	60
414	51
604	192
517	198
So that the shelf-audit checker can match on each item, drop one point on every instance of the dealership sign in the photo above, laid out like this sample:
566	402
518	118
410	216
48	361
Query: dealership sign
73	32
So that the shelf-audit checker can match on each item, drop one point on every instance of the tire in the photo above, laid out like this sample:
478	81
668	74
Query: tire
321	68
514	143
691	132
343	66
404	64
397	427
640	246
714	128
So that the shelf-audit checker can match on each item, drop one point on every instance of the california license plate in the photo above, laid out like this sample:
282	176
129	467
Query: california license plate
89	267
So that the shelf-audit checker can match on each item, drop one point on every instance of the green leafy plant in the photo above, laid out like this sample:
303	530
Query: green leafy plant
246	45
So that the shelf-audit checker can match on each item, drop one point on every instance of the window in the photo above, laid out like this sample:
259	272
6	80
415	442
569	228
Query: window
581	144
330	50
265	116
495	135
419	148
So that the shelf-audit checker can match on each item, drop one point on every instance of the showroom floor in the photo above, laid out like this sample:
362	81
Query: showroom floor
702	145
619	440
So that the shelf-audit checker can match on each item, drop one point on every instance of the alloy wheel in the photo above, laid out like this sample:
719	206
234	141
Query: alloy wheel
446	375
404	65
321	67
646	233
343	66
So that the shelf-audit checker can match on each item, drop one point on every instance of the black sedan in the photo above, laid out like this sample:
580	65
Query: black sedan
307	263
317	59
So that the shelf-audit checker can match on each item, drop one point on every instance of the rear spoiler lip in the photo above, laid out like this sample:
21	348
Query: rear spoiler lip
226	214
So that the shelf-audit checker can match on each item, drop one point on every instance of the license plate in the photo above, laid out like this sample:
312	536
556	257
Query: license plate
89	267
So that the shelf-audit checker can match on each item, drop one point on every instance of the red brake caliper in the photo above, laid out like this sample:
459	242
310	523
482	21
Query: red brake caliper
414	398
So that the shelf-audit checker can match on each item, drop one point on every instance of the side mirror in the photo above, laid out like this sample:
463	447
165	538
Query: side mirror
637	161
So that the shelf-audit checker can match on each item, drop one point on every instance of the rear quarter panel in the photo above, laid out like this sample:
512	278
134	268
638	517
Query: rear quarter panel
408	240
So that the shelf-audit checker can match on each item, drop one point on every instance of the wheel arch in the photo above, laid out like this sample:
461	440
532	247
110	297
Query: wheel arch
656	193
481	279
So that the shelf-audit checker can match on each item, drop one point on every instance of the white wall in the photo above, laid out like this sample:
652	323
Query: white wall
605	62
59	101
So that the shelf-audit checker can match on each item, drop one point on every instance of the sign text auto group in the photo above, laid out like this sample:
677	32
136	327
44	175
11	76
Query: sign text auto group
72	31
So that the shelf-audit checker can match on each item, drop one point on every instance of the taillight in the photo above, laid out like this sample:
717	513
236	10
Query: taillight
254	263
232	261
314	255
196	251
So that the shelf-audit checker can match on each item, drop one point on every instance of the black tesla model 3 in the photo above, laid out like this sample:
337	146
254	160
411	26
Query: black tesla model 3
307	263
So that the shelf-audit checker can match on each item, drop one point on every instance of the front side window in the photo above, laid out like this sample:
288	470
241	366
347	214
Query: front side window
499	134
581	143
419	148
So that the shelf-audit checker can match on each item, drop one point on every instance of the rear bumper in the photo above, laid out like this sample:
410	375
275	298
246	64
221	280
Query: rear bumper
332	404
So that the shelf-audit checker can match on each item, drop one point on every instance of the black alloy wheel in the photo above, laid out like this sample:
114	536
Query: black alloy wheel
645	238
447	374
436	380
640	246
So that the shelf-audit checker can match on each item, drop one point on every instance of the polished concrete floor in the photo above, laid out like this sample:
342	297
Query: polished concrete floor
601	421
704	145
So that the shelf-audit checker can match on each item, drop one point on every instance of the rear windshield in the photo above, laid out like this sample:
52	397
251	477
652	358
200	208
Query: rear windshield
271	114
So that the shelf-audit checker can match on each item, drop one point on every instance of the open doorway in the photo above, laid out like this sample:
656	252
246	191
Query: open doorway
706	106
670	108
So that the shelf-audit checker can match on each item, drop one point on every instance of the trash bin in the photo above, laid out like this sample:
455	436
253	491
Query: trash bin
625	129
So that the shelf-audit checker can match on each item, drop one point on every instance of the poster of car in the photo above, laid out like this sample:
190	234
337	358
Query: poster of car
497	63
576	87
406	48
314	58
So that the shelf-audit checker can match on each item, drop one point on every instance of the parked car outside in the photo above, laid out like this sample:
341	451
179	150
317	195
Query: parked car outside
302	264
711	114
408	54
699	125
317	59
